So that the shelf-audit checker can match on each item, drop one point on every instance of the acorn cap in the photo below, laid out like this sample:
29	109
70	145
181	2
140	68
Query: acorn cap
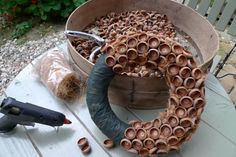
142	47
173	121
147	125
110	61
157	122
161	144
181	91
197	73
195	93
153	151
131	64
108	143
153	42
122	59
82	142
149	143
121	48
154	133
137	125
189	83
199	112
110	50
162	151
181	60
126	144
153	54
171	58
191	63
161	61
177	81
130	133
164	49
117	68
186	102
151	65
132	54
199	103
166	130
141	60
86	149
174	100
185	72
187	54
143	37
200	83
137	144
132	42
132	122
179	131
177	49
186	122
174	148
173	69
192	112
180	112
172	140
141	134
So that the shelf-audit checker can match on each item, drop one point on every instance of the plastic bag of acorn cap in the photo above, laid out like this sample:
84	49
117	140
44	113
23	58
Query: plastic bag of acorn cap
55	72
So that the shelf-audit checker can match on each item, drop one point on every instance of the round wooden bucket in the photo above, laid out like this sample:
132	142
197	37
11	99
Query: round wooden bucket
143	93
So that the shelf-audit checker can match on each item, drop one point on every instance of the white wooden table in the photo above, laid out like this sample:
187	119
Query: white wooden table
216	136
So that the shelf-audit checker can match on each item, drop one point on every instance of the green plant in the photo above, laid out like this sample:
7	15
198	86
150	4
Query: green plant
44	9
21	29
29	12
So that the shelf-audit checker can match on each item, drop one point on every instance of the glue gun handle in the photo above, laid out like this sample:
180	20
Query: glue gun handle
6	124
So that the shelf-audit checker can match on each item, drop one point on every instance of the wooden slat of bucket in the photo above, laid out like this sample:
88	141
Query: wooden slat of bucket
226	15
232	28
193	3
215	10
17	143
203	7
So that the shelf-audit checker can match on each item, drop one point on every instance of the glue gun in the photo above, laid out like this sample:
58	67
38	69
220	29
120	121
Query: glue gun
16	112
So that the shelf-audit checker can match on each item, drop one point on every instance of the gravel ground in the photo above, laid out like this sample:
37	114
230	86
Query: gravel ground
14	57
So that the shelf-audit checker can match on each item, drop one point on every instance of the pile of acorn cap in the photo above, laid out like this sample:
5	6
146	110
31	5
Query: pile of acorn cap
113	25
143	54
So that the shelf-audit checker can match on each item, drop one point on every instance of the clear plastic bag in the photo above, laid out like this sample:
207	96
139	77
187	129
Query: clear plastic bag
56	74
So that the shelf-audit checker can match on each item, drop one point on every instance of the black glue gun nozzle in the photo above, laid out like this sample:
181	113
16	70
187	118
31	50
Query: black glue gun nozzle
67	121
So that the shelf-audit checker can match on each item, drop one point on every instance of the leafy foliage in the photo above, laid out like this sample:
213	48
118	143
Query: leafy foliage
21	29
44	10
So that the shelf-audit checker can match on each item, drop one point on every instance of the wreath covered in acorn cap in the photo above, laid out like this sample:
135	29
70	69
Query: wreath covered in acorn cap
159	56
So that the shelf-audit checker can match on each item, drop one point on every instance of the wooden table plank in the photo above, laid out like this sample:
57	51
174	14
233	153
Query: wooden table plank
17	143
206	142
46	139
221	115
